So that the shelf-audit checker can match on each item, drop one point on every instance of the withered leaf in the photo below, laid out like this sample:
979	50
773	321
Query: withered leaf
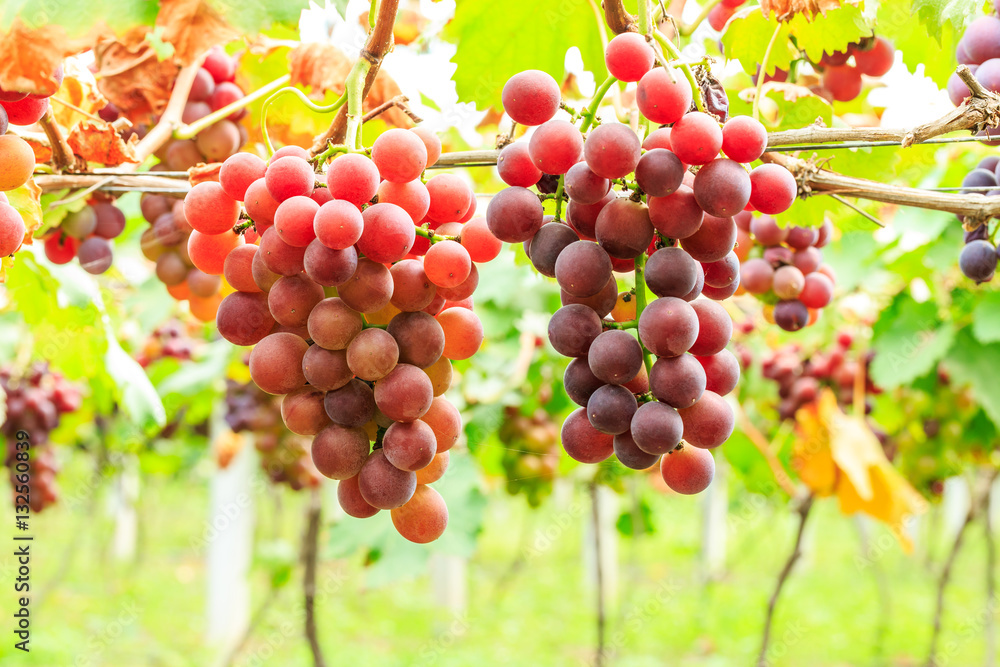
130	76
785	10
319	66
99	142
192	26
29	57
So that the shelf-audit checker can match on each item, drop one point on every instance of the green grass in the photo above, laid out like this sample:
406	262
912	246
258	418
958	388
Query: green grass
533	611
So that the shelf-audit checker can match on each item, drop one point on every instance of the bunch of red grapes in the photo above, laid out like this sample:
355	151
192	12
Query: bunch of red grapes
17	160
86	236
284	456
36	400
213	89
788	273
978	259
842	79
979	48
169	340
357	299
649	215
801	378
166	243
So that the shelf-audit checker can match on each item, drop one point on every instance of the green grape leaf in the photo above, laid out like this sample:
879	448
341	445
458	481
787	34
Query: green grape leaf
937	56
829	33
522	35
973	364
794	107
138	397
254	17
748	34
746	39
986	318
934	14
80	18
909	339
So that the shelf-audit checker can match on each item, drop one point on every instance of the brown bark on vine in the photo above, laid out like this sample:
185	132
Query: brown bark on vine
379	44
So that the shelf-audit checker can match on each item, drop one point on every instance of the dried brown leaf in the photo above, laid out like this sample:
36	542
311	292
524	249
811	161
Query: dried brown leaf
384	88
97	141
319	66
785	10
29	57
204	172
192	27
131	77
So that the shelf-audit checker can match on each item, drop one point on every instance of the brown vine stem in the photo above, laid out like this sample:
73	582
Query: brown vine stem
170	121
380	42
144	182
991	566
803	511
595	511
943	582
982	109
400	102
618	19
62	155
310	553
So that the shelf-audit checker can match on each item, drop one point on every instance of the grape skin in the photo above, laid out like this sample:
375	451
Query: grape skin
383	485
623	229
545	246
582	441
530	97
423	518
629	453
514	215
677	381
722	372
572	329
688	470
583	268
615	357
276	363
709	422
656	428
722	187
610	409
612	150
668	327
339	452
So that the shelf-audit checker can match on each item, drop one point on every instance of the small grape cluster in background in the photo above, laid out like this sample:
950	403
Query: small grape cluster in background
842	77
166	243
86	236
212	90
36	400
284	456
801	377
787	272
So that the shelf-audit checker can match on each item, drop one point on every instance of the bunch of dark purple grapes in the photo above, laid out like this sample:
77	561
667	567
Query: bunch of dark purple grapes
978	259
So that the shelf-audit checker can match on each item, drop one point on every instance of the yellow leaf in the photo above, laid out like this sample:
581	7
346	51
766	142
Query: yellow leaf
839	454
811	455
27	199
